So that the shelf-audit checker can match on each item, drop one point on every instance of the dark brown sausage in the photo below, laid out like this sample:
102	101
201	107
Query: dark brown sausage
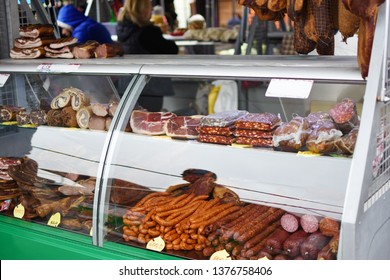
313	245
292	244
275	241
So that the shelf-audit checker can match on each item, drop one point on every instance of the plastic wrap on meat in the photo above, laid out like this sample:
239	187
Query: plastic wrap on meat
292	135
216	139
149	123
317	118
323	139
344	114
223	119
259	121
257	142
216	130
184	127
346	144
252	133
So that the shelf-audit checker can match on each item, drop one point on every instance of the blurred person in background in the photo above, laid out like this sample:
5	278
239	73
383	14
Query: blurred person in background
74	23
138	35
136	32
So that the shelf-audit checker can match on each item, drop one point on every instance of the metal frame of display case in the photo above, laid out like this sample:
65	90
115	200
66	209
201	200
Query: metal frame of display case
359	185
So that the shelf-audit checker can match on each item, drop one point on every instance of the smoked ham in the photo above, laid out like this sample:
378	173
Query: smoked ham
83	116
184	127
86	50
150	123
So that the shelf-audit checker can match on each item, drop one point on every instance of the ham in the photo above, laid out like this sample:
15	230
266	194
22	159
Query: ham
150	123
183	127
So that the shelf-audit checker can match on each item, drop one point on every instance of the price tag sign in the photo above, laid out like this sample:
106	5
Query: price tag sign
19	211
289	88
3	79
91	232
57	68
264	259
156	244
54	220
220	255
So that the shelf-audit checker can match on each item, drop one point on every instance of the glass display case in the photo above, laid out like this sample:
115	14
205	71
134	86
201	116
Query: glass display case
147	160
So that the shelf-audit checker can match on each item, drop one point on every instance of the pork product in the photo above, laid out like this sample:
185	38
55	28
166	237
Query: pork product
86	50
223	119
18	53
36	30
183	127
292	135
258	121
149	123
28	43
345	115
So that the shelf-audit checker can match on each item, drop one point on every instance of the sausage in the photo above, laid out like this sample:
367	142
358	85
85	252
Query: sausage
208	251
251	229
313	245
329	227
274	243
244	219
259	246
292	244
289	222
262	235
309	223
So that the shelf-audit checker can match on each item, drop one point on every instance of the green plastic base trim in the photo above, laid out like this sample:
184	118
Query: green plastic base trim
23	240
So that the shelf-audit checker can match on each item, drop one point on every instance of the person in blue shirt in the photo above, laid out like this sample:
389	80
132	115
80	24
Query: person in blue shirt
76	24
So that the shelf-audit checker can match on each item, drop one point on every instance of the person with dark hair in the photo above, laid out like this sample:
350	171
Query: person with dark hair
74	23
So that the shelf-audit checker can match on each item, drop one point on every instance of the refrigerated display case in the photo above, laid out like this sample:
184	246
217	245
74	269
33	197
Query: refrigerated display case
78	192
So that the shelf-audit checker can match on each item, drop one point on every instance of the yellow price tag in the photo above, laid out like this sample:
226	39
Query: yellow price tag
19	211
220	255
156	244
54	220
308	154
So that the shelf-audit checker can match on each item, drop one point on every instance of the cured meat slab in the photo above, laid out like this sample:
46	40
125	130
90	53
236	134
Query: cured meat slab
150	123
183	127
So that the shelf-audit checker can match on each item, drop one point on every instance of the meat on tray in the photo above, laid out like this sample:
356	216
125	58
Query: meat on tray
259	121
150	123
183	127
36	30
223	119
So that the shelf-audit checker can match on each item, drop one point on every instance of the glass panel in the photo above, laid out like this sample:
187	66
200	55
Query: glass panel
52	132
199	167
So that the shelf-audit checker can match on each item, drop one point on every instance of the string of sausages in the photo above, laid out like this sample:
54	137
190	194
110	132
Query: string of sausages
180	221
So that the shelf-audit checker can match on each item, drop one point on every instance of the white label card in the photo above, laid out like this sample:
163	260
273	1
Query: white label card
3	79
289	88
58	68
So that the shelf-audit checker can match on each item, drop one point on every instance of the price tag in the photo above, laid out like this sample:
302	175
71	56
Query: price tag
308	154
57	68
54	220
19	211
289	88
3	79
264	259
220	255
156	244
91	232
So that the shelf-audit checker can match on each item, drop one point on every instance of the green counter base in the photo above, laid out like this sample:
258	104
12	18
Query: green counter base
23	240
